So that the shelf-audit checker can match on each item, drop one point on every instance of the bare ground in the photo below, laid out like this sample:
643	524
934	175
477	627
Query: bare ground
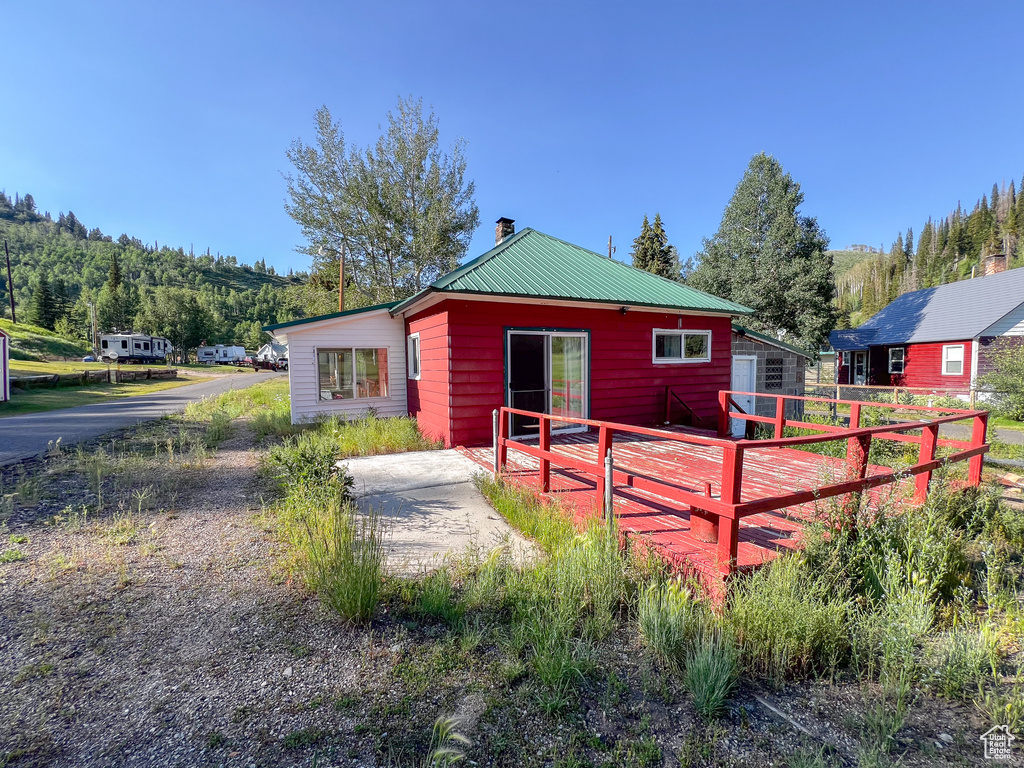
164	632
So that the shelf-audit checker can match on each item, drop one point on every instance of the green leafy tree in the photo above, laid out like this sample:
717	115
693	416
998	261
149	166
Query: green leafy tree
402	210
1005	384
178	315
769	257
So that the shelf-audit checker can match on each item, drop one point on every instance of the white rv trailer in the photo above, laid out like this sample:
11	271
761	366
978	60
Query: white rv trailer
134	348
222	354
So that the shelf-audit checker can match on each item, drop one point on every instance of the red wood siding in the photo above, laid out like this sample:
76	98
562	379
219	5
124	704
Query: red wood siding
429	397
625	385
922	367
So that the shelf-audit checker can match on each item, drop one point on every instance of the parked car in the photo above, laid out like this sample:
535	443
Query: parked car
88	359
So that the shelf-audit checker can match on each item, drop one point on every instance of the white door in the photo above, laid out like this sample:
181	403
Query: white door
744	379
860	367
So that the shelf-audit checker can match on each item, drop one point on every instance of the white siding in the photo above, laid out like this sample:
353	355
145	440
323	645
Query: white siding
1010	324
373	329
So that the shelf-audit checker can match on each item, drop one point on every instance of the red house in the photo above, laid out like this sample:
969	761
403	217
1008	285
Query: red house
535	323
942	338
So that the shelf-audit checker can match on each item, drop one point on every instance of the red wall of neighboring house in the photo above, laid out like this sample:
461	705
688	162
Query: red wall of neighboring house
625	385
922	367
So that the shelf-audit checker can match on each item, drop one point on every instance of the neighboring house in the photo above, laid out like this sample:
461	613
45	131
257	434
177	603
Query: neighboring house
5	367
535	323
942	338
272	352
761	363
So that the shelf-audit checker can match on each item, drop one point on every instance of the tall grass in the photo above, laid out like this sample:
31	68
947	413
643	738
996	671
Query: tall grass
339	551
786	622
670	620
711	675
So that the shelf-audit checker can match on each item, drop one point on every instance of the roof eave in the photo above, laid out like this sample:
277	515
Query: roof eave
333	316
723	312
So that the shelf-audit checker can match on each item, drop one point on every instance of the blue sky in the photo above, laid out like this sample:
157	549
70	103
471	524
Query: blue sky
170	121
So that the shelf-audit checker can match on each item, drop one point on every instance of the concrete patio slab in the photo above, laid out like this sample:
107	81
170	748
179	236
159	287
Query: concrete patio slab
432	505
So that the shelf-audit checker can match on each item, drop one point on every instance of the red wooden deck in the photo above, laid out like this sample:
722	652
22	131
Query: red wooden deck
664	523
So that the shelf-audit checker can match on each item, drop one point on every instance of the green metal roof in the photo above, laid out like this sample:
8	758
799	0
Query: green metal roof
771	340
531	264
318	318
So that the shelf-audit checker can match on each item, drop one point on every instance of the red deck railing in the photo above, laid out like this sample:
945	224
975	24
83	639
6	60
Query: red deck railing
716	520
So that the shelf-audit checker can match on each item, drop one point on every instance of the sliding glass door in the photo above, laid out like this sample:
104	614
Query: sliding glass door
546	372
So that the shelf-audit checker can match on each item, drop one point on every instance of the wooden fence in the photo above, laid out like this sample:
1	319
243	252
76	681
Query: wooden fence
108	376
716	520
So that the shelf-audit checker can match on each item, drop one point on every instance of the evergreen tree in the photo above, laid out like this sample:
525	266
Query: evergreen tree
769	257
651	251
41	311
114	278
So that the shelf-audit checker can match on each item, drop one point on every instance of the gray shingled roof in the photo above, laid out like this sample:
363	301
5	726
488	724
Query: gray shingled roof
951	312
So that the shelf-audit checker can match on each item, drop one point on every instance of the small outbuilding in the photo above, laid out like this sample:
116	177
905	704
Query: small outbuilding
535	323
762	363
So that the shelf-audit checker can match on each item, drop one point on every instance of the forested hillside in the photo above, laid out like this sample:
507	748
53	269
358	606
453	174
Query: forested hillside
945	251
60	268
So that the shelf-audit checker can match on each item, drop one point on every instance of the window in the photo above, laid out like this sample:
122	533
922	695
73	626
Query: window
124	343
846	359
896	355
952	360
413	355
105	343
773	367
347	374
681	346
145	346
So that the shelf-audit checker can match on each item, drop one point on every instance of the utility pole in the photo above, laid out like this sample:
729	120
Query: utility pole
341	279
611	249
10	283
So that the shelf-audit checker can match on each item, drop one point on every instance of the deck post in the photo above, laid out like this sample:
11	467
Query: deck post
975	463
854	415
609	488
494	419
723	413
604	447
729	527
545	445
780	416
929	439
502	437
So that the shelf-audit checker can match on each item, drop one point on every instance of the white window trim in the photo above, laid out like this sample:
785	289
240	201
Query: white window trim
903	360
409	356
844	358
681	332
944	360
